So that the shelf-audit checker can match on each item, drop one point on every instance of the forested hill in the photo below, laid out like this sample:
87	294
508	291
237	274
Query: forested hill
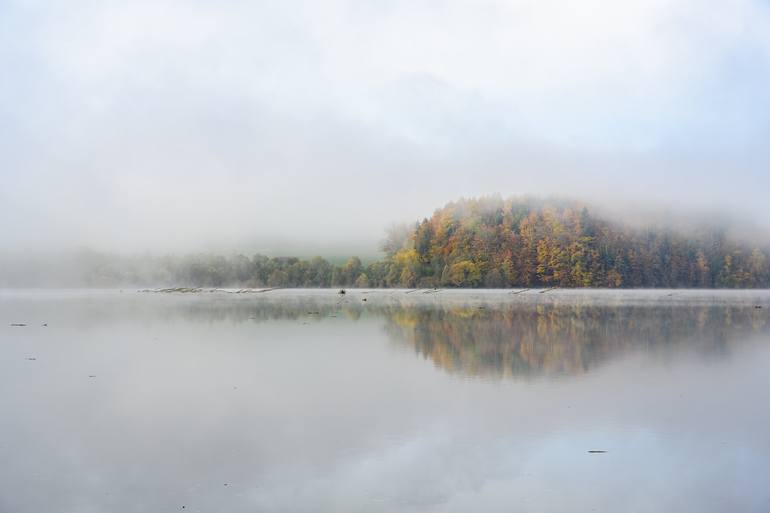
487	242
492	242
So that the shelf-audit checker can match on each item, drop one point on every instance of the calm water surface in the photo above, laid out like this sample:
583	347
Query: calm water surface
455	401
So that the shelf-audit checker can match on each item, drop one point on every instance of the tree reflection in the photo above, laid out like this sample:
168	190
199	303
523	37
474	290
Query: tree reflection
525	337
479	334
552	339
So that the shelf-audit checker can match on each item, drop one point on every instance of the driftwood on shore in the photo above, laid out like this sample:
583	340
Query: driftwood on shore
194	290
185	290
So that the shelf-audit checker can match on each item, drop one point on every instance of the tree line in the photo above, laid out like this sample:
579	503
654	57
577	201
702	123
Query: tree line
485	242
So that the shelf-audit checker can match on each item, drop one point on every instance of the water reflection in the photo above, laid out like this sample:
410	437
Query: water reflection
311	402
493	335
499	336
566	339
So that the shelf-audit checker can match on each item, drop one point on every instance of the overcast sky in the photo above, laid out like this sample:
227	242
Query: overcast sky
234	125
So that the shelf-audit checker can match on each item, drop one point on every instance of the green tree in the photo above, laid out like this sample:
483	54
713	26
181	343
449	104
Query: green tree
464	274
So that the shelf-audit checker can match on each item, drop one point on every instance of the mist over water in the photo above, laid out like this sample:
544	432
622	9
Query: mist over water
455	401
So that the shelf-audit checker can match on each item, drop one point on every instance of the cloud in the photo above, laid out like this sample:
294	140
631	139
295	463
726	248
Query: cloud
184	125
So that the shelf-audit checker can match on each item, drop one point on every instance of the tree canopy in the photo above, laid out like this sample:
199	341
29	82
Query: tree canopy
492	242
486	242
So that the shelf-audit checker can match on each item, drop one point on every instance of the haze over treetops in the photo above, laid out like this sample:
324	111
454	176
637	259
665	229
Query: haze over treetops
485	242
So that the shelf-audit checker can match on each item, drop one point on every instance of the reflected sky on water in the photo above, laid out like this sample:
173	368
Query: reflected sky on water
421	401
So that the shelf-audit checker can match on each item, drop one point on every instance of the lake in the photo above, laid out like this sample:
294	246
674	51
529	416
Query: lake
385	401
